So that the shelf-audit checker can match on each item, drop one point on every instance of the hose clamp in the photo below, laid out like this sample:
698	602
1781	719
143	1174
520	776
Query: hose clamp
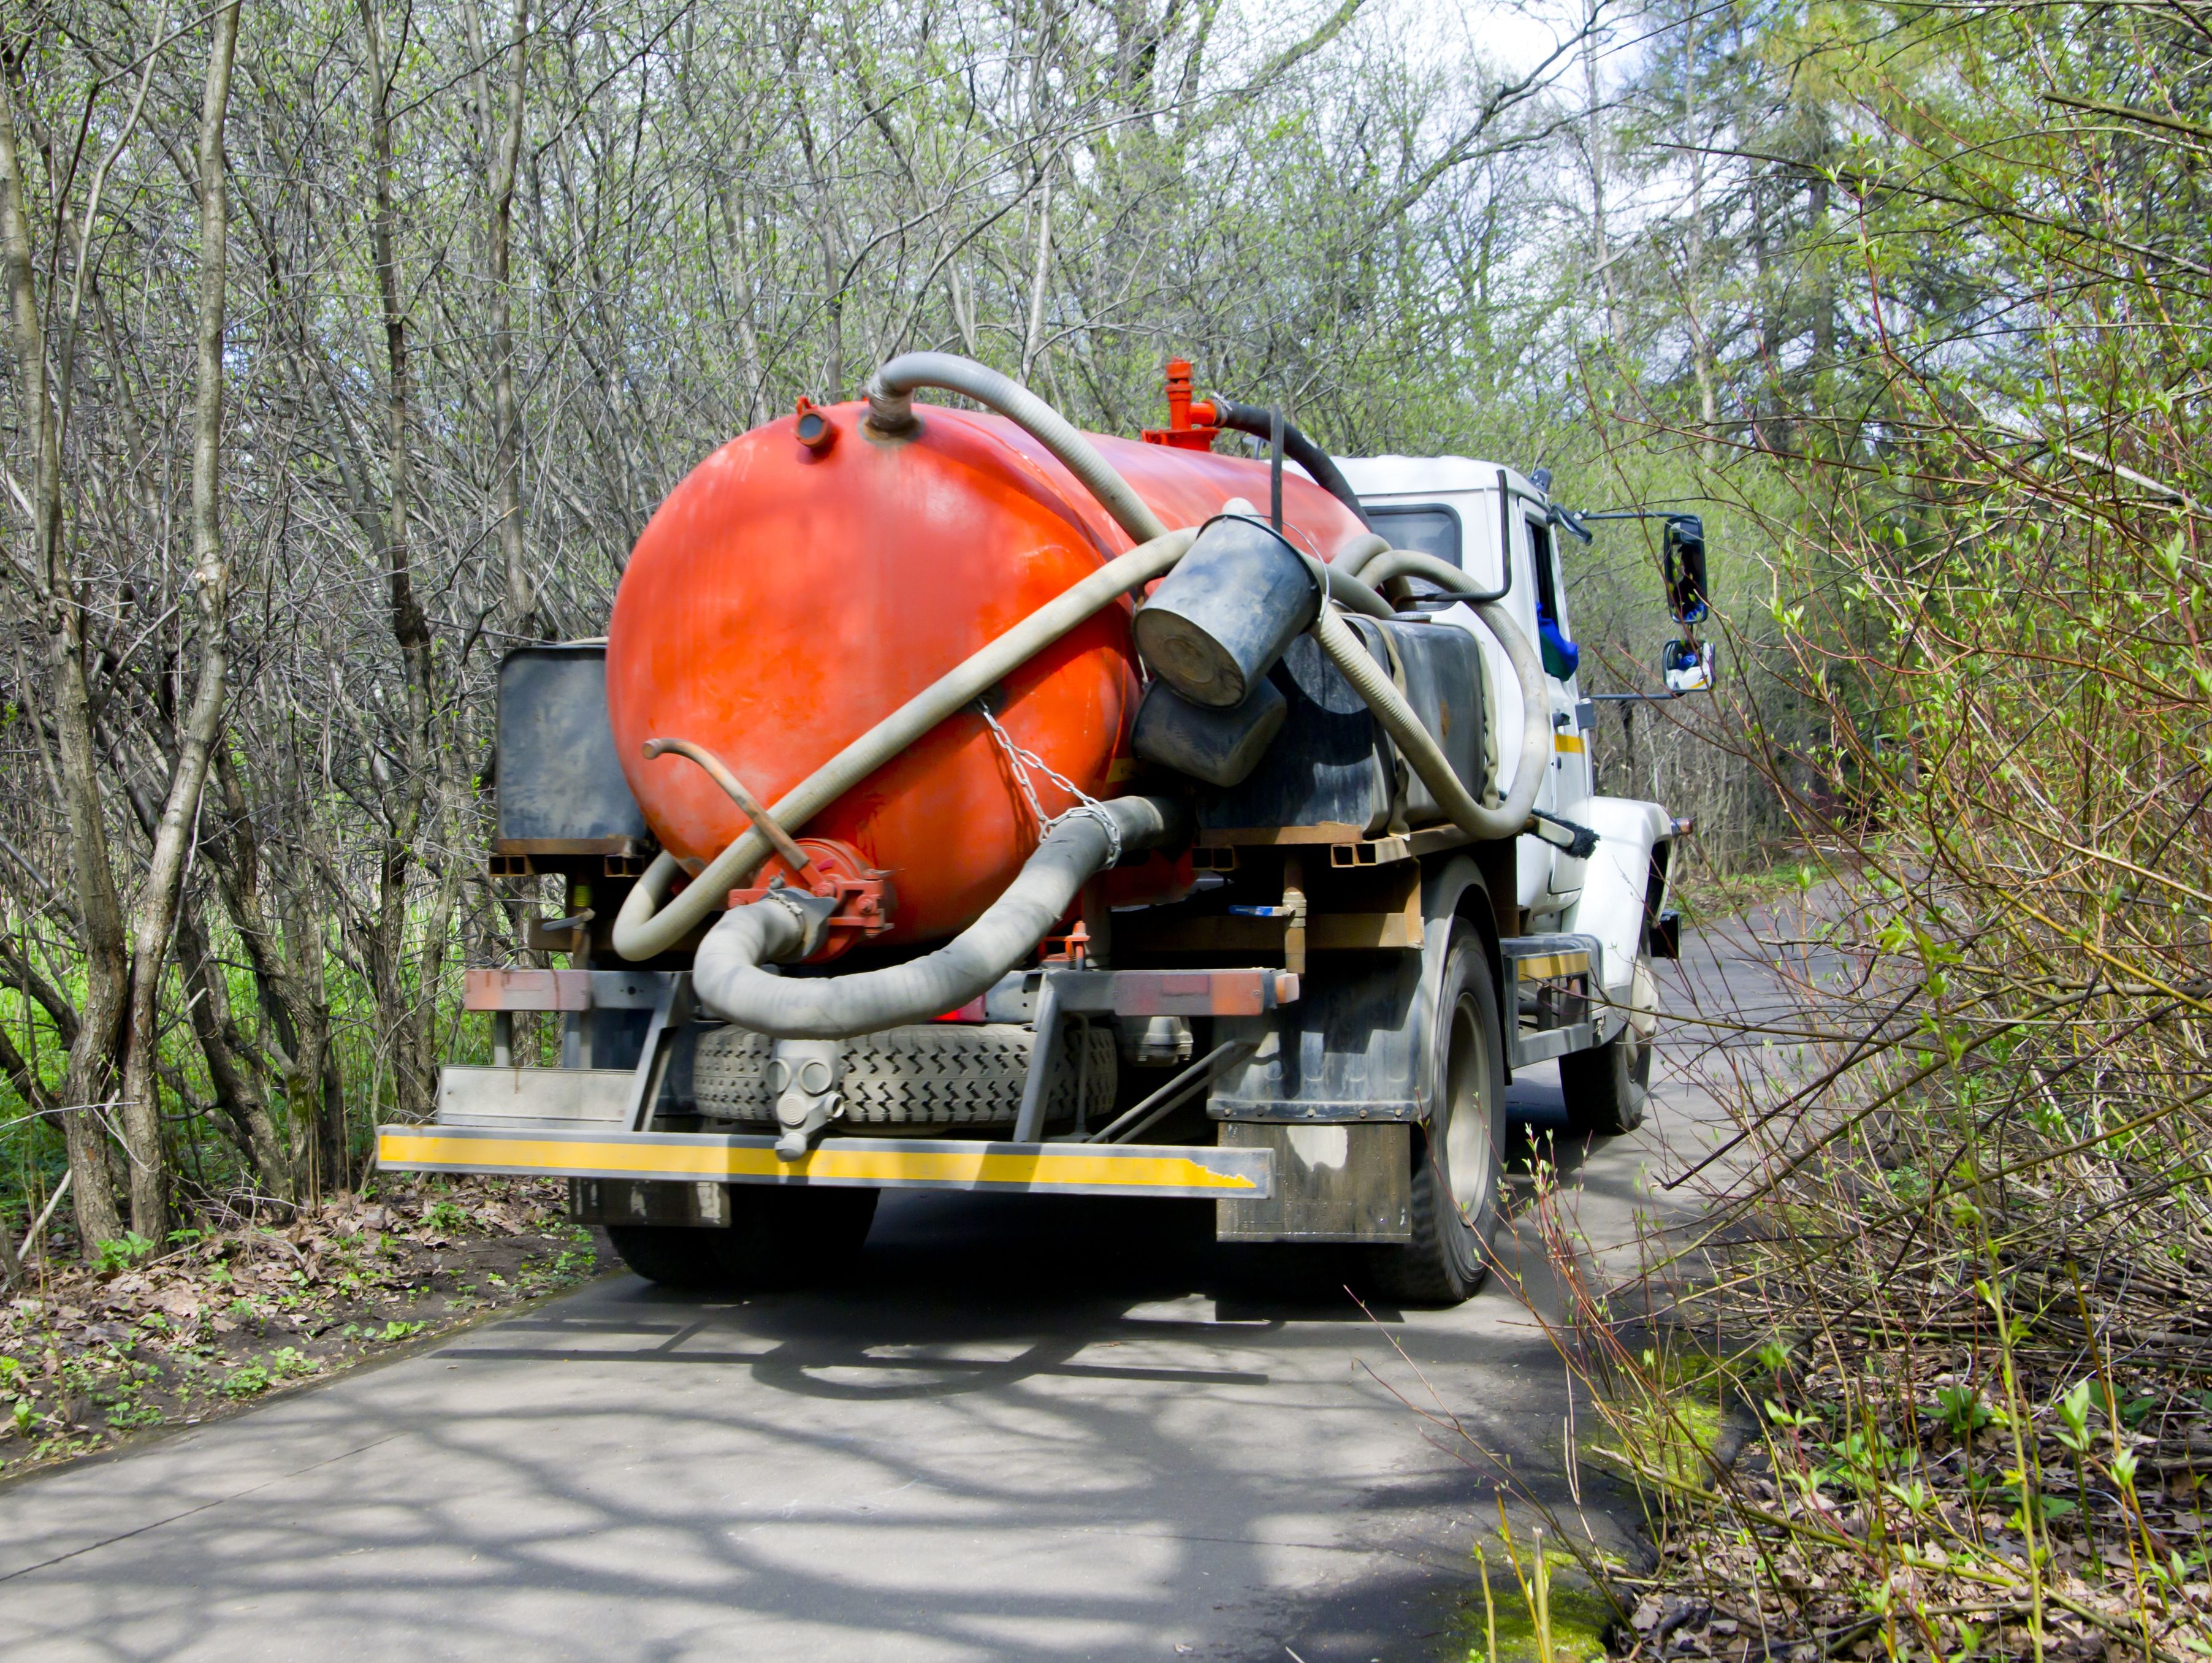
812	912
1093	810
889	413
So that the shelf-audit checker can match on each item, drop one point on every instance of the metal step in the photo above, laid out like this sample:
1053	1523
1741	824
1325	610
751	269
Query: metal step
1550	983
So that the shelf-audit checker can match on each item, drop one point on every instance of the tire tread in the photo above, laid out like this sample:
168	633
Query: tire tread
1431	1269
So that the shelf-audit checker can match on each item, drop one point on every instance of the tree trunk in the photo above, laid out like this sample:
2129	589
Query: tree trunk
24	1079
295	1025
155	915
1033	342
100	907
236	1094
1767	398
1594	142
1701	342
1824	282
506	419
411	626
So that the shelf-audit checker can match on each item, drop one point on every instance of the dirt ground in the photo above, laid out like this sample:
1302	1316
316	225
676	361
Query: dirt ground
89	1356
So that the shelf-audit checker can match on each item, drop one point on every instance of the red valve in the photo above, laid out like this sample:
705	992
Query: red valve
1071	951
866	899
1190	426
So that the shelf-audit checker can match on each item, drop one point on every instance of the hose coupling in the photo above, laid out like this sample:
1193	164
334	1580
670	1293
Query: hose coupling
891	413
804	1074
812	913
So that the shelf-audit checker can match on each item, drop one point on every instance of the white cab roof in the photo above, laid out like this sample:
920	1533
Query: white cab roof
1427	475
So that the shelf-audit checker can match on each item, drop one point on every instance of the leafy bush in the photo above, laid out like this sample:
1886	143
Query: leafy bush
131	1248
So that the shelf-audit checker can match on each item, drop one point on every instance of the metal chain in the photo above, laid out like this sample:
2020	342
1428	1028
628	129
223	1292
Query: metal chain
1023	761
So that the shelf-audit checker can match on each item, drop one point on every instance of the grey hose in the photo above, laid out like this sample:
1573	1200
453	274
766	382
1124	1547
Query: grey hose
645	927
1411	563
1375	563
1353	560
1350	655
730	980
1257	420
891	410
1344	587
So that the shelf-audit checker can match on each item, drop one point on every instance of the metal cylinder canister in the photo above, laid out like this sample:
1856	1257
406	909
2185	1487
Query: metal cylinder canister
1218	622
1221	747
795	589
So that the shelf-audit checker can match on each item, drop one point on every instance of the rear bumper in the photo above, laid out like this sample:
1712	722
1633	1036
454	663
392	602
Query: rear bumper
1144	1169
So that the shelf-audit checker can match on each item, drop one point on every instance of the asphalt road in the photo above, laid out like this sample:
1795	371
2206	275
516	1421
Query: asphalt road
1067	1430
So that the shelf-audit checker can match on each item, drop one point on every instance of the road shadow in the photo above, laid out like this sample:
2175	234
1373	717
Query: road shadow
1024	1427
1071	1272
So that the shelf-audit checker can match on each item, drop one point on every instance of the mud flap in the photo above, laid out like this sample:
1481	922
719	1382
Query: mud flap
1333	1183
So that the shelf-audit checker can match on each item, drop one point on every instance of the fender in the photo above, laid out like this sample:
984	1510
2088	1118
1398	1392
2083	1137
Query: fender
1356	1048
1616	901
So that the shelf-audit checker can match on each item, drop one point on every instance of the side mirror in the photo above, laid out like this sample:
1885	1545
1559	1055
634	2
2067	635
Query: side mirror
1687	666
1682	545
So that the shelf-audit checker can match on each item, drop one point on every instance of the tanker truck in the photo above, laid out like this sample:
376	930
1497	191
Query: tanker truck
960	801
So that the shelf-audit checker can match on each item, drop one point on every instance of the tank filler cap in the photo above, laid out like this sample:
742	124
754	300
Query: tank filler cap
815	430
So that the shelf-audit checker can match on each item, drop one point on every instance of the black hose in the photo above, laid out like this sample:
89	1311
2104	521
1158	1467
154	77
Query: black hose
1258	419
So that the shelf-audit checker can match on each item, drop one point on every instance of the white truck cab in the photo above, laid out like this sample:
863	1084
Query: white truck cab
1476	516
1499	527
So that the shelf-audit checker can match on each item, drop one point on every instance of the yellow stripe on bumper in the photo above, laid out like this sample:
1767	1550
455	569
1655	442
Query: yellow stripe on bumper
881	1162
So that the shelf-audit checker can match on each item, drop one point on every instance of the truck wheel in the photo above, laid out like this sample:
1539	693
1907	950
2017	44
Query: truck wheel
674	1255
1458	1158
777	1238
1607	1086
786	1238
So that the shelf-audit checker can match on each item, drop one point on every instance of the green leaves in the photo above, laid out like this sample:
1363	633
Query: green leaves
131	1248
1797	1419
15	1387
2074	1417
1962	1411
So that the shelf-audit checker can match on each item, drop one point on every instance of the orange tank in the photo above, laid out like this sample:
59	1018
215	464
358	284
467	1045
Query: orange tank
788	596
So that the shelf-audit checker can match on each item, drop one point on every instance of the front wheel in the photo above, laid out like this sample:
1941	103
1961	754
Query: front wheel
1460	1147
1607	1087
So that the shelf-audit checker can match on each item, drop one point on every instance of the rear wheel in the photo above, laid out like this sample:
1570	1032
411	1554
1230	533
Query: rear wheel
776	1238
785	1238
675	1256
1606	1088
1461	1153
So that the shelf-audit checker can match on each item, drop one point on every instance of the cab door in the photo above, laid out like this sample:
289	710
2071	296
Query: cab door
1569	786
